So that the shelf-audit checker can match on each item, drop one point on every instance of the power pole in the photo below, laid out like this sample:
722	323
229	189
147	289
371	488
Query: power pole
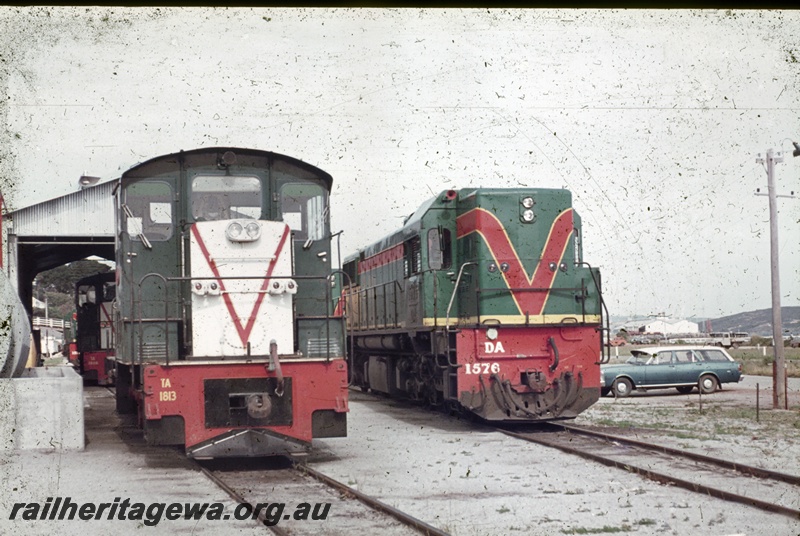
779	365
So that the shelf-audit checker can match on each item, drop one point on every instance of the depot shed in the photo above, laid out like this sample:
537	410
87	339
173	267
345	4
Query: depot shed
55	232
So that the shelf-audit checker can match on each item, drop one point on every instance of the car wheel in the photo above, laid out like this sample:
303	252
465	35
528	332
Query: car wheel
707	384
685	390
621	387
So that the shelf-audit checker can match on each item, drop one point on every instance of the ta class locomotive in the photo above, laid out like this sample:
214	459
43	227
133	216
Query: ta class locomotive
94	332
226	341
480	303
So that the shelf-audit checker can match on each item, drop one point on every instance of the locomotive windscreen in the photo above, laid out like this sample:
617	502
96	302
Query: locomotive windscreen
226	197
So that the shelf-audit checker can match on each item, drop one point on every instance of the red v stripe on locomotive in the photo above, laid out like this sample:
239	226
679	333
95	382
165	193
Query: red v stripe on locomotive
486	224
244	331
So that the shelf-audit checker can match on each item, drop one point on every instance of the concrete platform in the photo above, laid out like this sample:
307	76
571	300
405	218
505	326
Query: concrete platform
116	464
42	410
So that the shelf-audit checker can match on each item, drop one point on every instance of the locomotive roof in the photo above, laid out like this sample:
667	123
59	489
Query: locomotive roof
411	223
141	169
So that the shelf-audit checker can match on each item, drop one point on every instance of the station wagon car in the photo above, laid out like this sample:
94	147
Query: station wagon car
681	367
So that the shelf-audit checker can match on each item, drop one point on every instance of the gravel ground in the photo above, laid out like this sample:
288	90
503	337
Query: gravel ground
726	424
470	480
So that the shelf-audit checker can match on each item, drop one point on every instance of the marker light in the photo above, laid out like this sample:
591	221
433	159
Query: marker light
291	286
199	288
214	288
276	287
527	202
527	215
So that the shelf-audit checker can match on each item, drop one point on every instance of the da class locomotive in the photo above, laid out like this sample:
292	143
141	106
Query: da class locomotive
226	341
480	303
94	333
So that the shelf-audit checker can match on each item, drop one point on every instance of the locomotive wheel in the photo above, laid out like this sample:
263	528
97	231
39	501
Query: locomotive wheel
707	384
621	387
604	391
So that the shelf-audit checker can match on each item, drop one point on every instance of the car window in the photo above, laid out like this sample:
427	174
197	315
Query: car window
662	358
713	355
684	356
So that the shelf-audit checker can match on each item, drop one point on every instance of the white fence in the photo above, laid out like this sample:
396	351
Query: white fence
56	323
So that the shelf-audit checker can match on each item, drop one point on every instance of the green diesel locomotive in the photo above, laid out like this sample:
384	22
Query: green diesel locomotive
226	341
480	303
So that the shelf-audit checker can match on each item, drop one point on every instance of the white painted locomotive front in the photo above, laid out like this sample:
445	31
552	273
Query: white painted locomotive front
241	288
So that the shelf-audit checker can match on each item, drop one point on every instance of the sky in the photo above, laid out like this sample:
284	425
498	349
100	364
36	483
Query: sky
652	119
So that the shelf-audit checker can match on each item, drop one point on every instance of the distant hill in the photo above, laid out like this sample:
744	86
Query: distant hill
759	322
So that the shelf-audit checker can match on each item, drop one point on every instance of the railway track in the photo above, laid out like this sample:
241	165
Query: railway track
265	482
767	490
271	481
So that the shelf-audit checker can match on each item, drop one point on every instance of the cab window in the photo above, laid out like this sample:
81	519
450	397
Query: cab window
86	294
225	197
303	209
439	249
148	210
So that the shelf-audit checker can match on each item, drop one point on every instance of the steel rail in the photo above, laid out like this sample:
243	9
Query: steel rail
238	498
658	477
372	502
739	467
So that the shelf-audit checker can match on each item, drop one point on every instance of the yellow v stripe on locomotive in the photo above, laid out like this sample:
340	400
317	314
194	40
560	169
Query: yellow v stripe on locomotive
530	293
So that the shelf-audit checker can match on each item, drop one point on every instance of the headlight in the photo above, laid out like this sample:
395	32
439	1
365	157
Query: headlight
238	231
527	215
234	231
253	230
527	202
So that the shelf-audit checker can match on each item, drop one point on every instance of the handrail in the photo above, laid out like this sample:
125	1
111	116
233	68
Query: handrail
604	320
447	315
139	319
453	295
344	310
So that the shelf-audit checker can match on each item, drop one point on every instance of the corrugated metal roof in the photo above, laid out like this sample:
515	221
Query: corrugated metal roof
88	212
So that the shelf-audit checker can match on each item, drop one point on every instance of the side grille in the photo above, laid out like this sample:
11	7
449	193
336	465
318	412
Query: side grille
320	347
